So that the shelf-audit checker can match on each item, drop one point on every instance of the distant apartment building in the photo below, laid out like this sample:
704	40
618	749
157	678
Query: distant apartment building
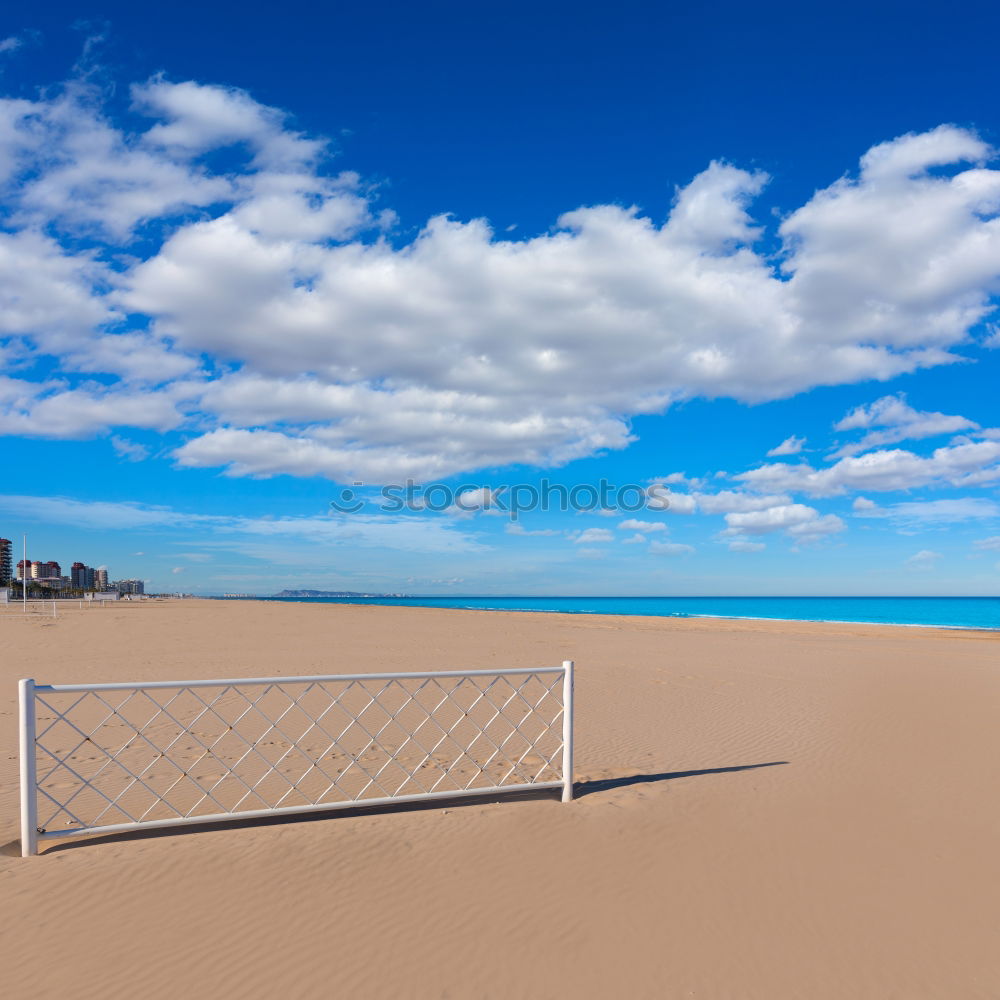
41	574
47	574
129	586
37	570
83	577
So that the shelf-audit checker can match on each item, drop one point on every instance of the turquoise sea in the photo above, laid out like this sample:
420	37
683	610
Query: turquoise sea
953	612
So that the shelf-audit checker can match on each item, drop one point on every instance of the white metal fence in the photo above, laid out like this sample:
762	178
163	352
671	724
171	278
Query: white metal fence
104	758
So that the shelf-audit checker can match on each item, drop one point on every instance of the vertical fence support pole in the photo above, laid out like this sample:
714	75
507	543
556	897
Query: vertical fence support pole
29	799
567	795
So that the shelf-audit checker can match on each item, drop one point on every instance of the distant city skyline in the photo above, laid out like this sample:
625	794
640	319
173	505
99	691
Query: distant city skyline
48	575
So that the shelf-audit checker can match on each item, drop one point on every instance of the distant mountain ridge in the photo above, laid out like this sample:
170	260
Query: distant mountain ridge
331	593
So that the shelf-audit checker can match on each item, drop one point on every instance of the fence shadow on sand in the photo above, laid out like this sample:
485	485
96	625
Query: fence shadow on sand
583	788
580	790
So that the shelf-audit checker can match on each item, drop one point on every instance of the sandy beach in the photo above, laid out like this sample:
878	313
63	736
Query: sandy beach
764	810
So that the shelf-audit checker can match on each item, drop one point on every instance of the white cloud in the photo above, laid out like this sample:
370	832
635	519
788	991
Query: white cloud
925	559
805	524
591	535
635	540
729	501
931	512
991	544
407	534
965	464
47	294
816	529
677	479
177	569
513	528
87	410
331	354
670	548
646	527
81	171
678	503
96	514
745	545
131	450
900	422
477	499
769	519
790	446
10	44
201	118
912	155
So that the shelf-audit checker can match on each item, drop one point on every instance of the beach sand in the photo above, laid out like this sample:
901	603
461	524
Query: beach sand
765	810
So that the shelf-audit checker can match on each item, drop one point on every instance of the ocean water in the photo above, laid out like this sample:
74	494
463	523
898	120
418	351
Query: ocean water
953	612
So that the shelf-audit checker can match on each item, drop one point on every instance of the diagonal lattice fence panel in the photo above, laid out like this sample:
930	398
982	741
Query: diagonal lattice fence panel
110	757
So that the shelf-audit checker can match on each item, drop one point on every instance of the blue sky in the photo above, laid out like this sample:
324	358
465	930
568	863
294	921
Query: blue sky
746	259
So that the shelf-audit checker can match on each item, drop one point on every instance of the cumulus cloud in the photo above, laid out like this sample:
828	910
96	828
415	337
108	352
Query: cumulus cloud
677	503
311	344
798	521
645	527
895	420
670	548
478	499
592	535
678	479
925	559
54	411
920	513
969	463
513	528
790	446
199	118
730	501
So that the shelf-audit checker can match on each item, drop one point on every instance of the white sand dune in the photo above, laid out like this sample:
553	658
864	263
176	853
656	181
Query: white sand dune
765	810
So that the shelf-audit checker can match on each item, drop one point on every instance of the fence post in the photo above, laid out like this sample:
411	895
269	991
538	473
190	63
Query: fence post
567	795
29	799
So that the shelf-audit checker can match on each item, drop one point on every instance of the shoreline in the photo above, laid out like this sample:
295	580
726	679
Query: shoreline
679	616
